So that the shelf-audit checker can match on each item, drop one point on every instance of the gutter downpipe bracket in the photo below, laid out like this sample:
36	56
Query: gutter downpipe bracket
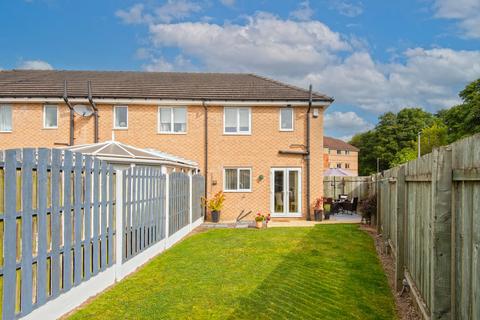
72	120
95	109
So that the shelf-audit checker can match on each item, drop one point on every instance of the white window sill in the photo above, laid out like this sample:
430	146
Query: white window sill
50	128
120	128
237	134
286	130
174	133
6	131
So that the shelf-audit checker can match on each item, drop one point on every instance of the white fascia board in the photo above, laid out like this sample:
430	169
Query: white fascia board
170	102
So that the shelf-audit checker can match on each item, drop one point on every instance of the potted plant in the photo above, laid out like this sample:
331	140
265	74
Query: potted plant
215	205
327	207
318	209
368	208
260	218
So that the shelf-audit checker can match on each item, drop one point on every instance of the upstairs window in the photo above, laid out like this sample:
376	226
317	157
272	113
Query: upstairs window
286	119
237	179
339	165
172	120
339	151
347	151
120	115
5	118
50	117
237	120
347	165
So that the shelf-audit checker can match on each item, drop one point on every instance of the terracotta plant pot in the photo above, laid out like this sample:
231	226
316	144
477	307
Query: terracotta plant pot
215	216
259	224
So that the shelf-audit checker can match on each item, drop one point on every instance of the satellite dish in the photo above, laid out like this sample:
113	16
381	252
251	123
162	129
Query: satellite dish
83	110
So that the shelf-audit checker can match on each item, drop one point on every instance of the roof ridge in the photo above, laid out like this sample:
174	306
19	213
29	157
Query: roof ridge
291	86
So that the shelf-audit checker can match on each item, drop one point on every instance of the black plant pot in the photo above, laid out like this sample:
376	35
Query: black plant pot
215	216
318	215
327	215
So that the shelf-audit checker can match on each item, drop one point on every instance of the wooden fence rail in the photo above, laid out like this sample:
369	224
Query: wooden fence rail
59	213
429	215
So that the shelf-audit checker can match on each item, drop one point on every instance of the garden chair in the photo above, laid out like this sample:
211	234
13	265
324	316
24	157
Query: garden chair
351	207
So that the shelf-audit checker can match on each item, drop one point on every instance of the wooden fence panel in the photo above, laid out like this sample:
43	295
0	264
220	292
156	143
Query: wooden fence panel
352	186
45	226
179	201
198	191
144	209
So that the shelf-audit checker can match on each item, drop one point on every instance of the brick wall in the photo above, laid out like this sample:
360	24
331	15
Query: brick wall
259	151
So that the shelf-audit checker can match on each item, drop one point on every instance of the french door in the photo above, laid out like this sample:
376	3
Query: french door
286	192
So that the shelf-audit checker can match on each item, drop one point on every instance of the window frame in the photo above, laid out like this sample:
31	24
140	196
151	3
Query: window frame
347	165
11	118
339	165
238	179
45	106
115	117
172	123
238	132
280	118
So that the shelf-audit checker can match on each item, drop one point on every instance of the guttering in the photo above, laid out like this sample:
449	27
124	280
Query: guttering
293	152
95	112
307	156
72	122
173	102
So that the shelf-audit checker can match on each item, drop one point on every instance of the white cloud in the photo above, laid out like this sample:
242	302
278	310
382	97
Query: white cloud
228	3
347	9
134	15
35	65
263	44
346	123
466	12
304	12
180	63
172	10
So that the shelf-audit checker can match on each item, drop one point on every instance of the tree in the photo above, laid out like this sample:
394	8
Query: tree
433	137
464	119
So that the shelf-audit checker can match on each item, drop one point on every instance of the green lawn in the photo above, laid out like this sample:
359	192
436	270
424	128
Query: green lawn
325	272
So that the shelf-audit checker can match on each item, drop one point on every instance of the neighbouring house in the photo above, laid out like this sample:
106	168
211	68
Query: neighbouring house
340	155
247	133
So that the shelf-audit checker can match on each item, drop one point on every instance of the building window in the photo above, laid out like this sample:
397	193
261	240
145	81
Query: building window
50	117
339	151
172	120
237	179
237	121
5	118
326	150
339	165
120	115
347	165
347	151
286	119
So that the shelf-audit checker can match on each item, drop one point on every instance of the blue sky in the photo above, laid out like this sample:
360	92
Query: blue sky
372	56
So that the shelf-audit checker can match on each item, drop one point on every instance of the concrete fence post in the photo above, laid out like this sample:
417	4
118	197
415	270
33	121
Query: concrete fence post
167	203
190	200
119	248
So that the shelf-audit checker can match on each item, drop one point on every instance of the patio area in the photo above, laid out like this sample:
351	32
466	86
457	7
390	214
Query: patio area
323	272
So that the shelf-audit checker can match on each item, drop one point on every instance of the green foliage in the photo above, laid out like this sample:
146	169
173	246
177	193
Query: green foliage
463	120
325	272
394	138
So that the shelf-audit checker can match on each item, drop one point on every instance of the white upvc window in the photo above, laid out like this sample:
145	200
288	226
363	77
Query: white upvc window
237	179
237	120
50	117
172	120
286	119
120	117
5	118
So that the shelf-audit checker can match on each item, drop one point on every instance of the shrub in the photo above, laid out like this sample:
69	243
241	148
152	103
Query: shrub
216	202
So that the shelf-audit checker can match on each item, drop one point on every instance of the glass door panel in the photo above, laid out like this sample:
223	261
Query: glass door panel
293	191
278	191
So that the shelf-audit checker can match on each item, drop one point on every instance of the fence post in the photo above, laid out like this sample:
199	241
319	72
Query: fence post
190	200
441	233
379	203
401	218
167	203
119	224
